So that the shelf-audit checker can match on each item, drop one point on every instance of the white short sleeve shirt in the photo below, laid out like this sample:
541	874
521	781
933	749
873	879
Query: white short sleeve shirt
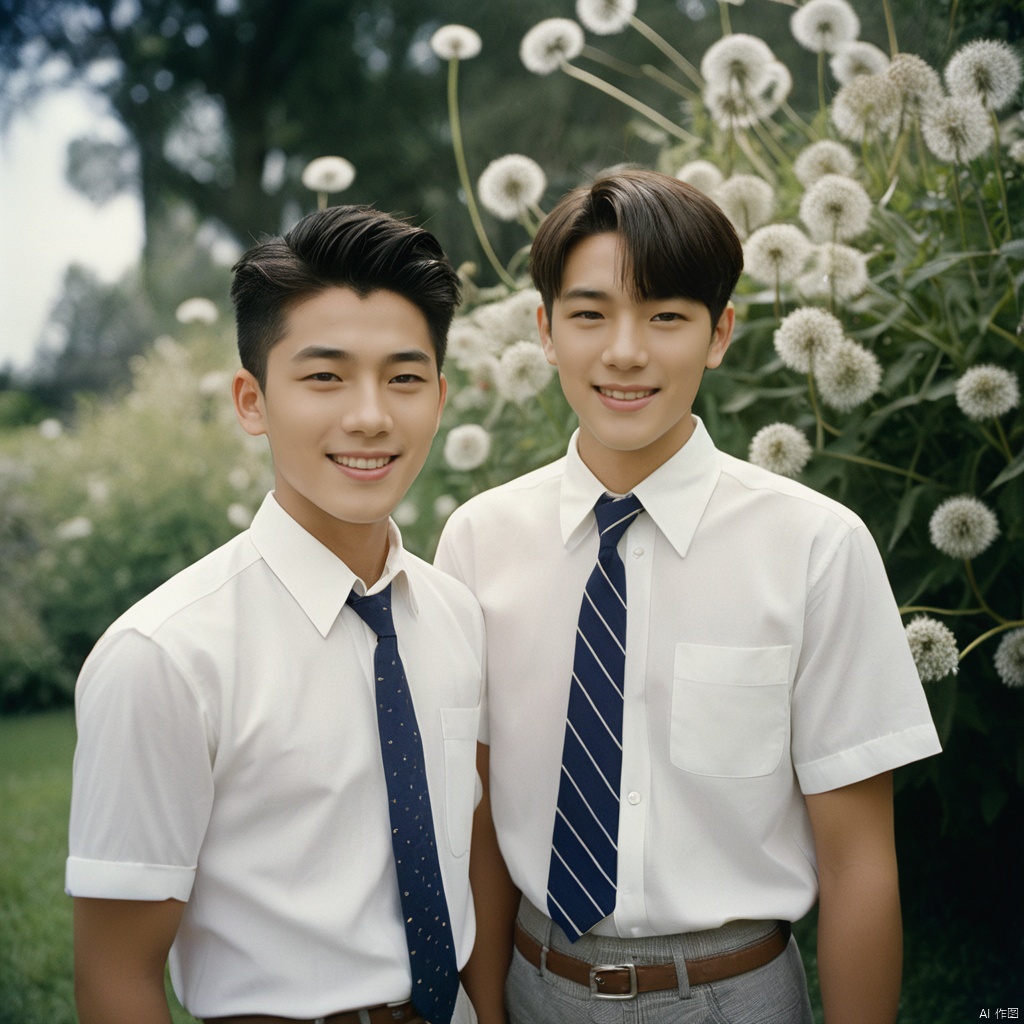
228	757
765	660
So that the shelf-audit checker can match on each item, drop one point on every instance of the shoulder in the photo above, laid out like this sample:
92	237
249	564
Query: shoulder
517	499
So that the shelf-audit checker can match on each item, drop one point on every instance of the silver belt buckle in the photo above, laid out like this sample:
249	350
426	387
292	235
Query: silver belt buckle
600	969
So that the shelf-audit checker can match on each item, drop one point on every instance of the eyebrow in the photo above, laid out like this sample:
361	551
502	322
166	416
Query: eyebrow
313	352
583	293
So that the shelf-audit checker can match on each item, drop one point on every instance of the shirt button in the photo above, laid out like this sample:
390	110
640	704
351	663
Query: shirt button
634	798
638	552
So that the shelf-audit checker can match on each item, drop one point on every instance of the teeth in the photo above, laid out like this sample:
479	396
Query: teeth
628	396
354	463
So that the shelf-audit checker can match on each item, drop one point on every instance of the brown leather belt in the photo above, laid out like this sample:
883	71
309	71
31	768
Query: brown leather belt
626	981
378	1015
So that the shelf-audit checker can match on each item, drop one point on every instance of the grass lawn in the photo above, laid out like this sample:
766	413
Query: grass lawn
964	954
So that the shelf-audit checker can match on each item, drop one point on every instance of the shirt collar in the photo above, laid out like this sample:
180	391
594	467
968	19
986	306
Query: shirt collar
319	581
674	495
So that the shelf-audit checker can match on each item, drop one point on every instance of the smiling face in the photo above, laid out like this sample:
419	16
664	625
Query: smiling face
353	399
630	368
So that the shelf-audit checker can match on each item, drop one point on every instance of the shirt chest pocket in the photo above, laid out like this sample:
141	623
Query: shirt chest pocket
459	727
730	710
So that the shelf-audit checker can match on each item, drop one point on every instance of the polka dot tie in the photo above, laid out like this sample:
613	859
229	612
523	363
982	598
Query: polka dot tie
582	876
428	931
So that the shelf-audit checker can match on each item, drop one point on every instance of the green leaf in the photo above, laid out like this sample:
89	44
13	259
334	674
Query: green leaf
1014	469
904	514
938	266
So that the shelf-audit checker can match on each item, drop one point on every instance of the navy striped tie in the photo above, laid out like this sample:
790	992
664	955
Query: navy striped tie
428	931
584	845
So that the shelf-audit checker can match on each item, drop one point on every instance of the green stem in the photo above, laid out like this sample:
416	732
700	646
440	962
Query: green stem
994	631
860	460
600	57
890	28
977	592
1008	335
1004	442
673	55
321	200
723	10
821	84
751	154
460	162
999	177
910	609
623	97
668	82
820	426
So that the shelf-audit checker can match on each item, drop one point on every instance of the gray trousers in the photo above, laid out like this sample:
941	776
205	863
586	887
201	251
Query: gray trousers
773	994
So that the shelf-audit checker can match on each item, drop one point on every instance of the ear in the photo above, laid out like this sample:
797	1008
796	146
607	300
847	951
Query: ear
443	388
544	330
249	407
721	337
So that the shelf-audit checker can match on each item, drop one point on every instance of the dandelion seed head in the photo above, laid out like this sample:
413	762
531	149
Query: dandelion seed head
406	513
50	429
857	58
847	375
445	505
74	529
738	60
836	269
467	446
550	44
197	311
1009	659
510	319
747	200
835	208
776	254
702	175
867	104
985	392
511	185
239	515
780	448
328	174
934	648
821	158
963	527
988	70
918	82
455	42
1016	151
957	129
824	25
468	343
523	372
605	17
805	335
730	107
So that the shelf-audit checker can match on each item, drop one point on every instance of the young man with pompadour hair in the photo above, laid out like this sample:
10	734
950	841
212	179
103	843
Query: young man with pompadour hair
274	779
698	680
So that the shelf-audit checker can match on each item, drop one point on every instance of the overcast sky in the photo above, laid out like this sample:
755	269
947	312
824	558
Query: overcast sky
45	225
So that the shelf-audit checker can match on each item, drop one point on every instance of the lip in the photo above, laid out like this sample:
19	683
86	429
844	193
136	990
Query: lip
365	466
621	397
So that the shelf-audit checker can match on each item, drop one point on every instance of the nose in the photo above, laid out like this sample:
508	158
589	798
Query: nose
368	412
625	348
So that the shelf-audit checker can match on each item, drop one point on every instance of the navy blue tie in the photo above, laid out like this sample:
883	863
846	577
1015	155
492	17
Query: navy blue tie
428	931
584	846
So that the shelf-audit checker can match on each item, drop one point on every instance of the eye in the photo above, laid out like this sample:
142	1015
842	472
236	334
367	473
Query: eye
324	376
407	378
585	314
668	316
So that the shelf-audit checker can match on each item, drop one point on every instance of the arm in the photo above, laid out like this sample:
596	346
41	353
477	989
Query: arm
121	947
497	901
860	932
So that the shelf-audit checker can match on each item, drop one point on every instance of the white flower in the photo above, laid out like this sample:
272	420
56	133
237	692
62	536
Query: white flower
467	446
455	42
513	318
74	529
747	200
1009	659
468	344
917	81
805	335
239	478
835	208
847	375
963	527
196	311
605	17
739	60
780	448
523	372
216	382
702	175
550	44
776	254
328	174
406	513
957	129
987	70
50	429
857	58
934	649
511	185
824	25
731	107
867	103
239	515
98	490
985	392
445	505
838	270
1016	151
821	158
